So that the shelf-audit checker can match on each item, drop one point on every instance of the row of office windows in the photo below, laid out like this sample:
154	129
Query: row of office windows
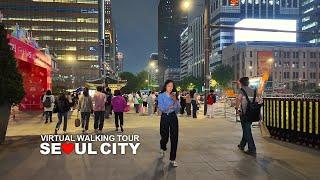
54	19
63	38
60	29
69	1
77	58
296	75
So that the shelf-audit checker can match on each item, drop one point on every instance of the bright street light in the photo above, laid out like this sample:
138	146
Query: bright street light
186	4
152	64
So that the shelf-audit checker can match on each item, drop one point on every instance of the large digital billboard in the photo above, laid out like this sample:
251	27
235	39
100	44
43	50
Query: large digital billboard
270	24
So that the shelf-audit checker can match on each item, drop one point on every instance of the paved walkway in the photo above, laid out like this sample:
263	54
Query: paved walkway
206	150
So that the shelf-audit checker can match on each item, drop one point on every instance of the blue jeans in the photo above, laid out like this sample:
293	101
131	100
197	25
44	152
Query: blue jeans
63	115
247	136
85	116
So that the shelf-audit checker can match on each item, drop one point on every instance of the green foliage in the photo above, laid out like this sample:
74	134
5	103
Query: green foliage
11	83
131	82
223	74
135	82
142	78
190	82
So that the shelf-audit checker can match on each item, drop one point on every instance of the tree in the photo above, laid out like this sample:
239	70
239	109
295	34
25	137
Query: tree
132	85
142	80
190	82
11	83
223	74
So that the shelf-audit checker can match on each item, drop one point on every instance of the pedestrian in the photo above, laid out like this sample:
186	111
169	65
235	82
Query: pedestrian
194	103
182	103
41	102
63	107
169	106
136	102
86	108
151	102
108	106
156	104
99	100
211	99
118	103
188	104
241	105
144	103
48	105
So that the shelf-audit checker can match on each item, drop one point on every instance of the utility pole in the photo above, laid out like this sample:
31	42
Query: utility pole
206	53
102	38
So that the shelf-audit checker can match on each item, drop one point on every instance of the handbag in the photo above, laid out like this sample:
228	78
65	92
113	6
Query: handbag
127	108
77	120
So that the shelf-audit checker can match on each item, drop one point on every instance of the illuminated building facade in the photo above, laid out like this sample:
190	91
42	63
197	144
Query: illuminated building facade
310	21
69	28
229	12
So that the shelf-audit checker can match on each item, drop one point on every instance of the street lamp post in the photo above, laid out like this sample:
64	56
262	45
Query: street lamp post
206	52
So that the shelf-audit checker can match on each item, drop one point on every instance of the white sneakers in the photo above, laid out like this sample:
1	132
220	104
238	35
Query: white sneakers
172	163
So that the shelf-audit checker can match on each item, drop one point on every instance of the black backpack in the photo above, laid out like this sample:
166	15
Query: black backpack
47	102
253	108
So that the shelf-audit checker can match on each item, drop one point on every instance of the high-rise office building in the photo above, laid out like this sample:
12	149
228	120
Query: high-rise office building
68	27
171	22
310	21
185	53
229	12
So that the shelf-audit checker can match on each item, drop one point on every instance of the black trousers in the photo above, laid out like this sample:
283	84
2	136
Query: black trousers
48	115
194	108
85	116
182	108
169	127
118	116
98	119
188	109
63	115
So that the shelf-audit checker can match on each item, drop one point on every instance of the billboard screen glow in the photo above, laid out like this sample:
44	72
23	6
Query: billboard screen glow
276	24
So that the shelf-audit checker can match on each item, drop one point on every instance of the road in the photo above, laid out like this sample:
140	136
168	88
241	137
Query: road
207	150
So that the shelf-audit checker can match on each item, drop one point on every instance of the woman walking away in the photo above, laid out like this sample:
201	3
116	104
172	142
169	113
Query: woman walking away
136	98
48	104
118	103
150	101
169	106
211	100
63	107
194	103
86	108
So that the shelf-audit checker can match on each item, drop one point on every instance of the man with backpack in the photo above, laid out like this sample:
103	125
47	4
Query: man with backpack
48	104
249	111
211	99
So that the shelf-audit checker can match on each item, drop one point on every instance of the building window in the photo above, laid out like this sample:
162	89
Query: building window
250	63
304	54
304	75
251	54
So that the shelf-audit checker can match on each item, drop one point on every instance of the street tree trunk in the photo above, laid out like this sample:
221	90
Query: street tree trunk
4	119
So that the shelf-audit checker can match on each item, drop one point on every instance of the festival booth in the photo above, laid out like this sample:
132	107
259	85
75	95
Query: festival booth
35	68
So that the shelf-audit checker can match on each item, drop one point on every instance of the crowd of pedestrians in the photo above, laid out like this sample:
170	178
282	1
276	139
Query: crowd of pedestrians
169	104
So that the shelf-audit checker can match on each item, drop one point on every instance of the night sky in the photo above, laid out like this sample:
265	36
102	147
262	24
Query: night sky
137	29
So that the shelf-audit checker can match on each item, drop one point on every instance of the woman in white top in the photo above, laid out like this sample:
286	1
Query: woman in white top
48	105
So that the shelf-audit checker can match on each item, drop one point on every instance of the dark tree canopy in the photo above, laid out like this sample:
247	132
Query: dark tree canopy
11	83
223	74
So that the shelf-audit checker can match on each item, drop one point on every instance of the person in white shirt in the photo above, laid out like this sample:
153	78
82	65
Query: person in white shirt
48	105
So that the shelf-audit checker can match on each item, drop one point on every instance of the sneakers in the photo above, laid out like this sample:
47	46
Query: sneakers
240	148
161	153
251	153
117	129
174	163
121	129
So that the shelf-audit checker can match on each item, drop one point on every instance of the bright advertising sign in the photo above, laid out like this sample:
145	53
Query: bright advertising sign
270	24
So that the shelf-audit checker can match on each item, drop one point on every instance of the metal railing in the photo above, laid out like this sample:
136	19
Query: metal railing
293	119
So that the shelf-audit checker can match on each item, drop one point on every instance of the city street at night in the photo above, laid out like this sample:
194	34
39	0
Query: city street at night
207	150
